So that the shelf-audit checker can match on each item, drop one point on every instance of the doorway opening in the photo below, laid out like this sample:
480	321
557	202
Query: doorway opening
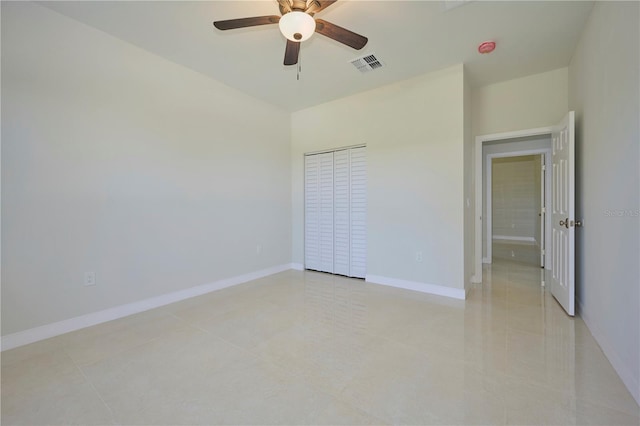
502	220
516	200
559	217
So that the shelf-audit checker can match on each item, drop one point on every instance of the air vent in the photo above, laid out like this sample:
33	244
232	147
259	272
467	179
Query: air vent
367	63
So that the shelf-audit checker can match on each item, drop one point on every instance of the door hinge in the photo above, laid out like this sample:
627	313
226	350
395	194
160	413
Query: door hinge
544	167
544	251
544	210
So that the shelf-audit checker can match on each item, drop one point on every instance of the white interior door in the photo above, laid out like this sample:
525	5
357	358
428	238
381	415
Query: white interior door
563	214
342	212
358	213
312	212
350	208
326	212
318	212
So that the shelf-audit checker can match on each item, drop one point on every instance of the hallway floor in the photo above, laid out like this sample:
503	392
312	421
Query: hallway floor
516	251
310	348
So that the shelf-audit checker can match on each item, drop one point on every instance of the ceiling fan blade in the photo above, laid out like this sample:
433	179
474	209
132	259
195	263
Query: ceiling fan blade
316	6
340	34
291	52
231	24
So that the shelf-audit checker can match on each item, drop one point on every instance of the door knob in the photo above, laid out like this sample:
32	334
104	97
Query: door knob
567	223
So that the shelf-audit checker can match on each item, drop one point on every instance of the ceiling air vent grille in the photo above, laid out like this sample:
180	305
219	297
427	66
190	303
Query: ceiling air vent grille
367	63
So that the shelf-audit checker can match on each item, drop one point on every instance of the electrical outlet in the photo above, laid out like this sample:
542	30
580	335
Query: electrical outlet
89	278
418	256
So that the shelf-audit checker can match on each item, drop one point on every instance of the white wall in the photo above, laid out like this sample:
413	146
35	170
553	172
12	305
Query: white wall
119	162
414	136
604	91
530	102
469	190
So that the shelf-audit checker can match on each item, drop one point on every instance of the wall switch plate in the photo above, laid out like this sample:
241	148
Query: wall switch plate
89	278
258	249
418	256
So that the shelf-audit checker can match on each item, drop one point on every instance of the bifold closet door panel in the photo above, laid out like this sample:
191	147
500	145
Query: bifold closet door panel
312	212
318	212
358	212
326	212
341	195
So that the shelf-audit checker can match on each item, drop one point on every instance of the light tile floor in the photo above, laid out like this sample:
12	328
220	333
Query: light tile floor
524	252
310	348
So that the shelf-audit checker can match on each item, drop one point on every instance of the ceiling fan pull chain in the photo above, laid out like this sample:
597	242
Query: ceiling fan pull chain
299	69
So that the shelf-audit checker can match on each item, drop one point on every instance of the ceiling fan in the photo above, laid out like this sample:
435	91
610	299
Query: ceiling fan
297	24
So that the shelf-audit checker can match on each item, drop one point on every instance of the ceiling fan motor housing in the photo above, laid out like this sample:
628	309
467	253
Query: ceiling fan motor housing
299	5
297	25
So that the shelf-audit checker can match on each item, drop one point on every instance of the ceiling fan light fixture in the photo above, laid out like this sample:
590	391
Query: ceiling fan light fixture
297	26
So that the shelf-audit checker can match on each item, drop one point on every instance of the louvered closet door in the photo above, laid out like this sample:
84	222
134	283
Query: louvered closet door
312	212
335	212
326	212
342	238
358	212
318	238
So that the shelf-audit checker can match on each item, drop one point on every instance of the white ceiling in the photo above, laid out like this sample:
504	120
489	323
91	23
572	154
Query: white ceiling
410	37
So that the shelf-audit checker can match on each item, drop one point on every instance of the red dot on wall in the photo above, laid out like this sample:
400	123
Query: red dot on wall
487	47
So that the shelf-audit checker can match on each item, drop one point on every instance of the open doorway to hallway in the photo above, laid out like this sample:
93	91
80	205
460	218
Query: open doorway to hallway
517	208
558	145
516	188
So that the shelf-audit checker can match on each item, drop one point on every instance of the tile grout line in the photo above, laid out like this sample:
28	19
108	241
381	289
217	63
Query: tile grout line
300	376
128	348
111	413
121	351
280	365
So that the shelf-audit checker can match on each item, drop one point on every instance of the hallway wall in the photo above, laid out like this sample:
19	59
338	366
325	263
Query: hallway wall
514	198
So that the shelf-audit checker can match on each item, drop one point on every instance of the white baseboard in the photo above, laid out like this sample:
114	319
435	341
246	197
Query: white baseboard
32	335
623	371
456	293
297	266
510	238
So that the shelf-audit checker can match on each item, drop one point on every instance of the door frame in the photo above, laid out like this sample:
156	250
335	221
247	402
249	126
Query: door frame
489	196
480	141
